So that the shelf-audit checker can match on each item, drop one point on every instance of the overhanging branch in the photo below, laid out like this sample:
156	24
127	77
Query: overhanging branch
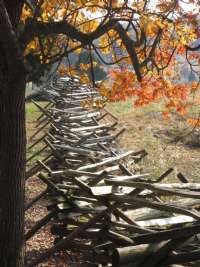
36	28
193	48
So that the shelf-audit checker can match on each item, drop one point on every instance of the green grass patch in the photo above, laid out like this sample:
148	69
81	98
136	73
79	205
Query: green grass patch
32	113
127	107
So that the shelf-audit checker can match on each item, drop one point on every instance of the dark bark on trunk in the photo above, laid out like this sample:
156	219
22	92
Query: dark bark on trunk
12	137
14	9
12	169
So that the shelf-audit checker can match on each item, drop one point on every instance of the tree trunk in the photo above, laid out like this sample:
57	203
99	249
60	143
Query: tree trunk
12	169
12	136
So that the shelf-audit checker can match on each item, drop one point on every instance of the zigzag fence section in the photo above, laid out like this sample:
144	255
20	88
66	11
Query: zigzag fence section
100	208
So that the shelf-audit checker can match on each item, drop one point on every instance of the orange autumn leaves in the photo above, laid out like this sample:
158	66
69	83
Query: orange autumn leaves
121	86
151	89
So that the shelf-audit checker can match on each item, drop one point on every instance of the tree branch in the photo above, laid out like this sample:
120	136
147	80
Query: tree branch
35	28
130	47
193	48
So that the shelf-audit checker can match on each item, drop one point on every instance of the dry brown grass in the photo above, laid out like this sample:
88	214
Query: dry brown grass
167	142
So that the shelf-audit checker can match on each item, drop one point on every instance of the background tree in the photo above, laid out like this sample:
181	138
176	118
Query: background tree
83	64
34	34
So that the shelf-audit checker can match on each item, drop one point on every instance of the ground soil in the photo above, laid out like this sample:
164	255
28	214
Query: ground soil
43	239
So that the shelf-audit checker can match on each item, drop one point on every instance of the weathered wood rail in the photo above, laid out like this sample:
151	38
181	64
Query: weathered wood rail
99	207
